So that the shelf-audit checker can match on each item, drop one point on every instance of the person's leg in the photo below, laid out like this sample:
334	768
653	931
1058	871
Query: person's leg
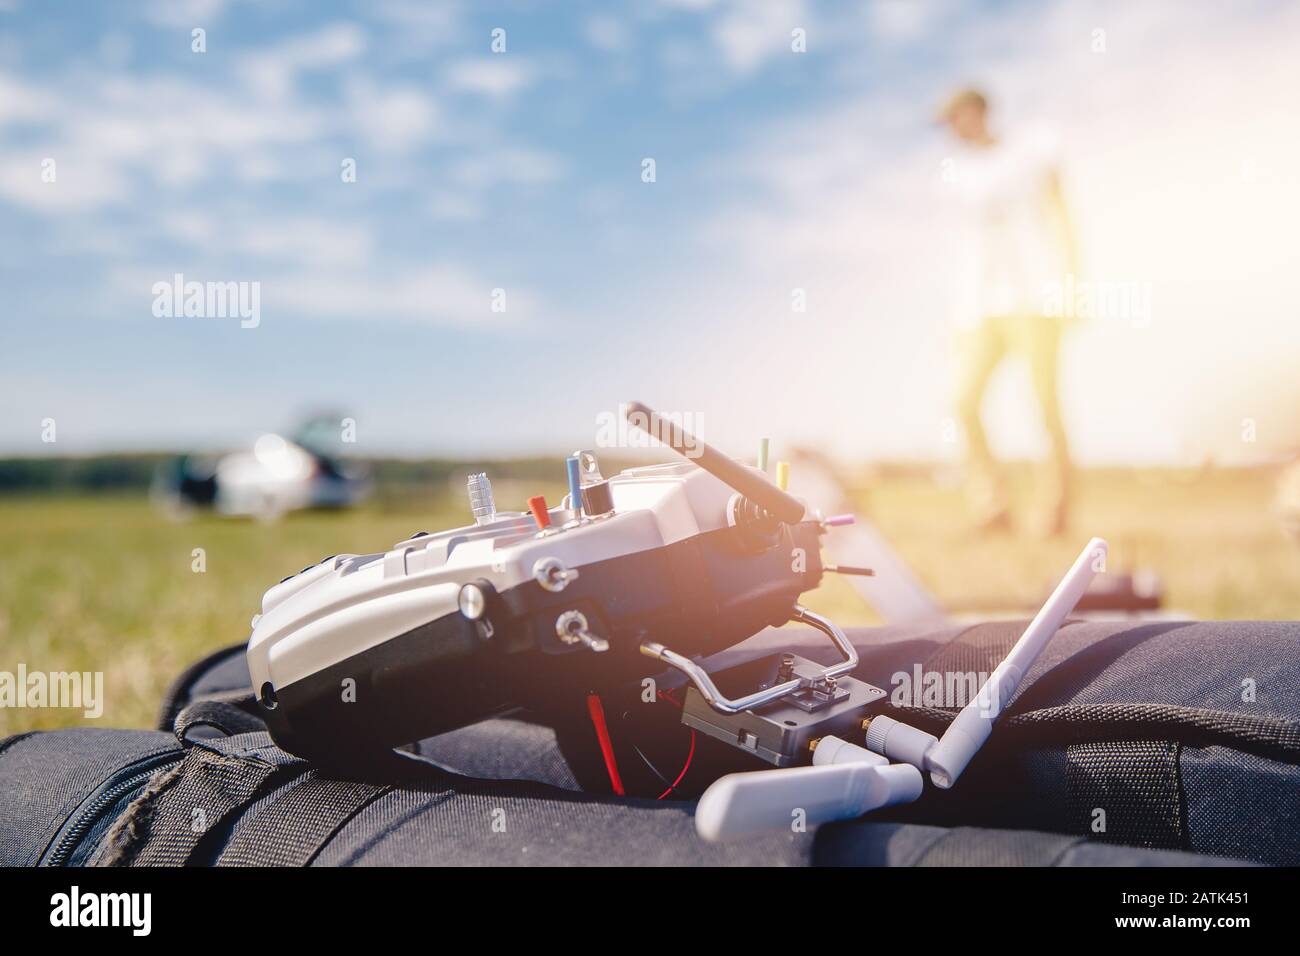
979	351
1042	338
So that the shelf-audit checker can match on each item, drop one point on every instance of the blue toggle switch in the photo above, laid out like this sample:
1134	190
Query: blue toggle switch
575	485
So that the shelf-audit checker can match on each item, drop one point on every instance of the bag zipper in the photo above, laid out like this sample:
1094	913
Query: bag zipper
89	814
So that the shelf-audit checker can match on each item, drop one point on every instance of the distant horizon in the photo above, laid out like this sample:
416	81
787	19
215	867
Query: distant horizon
626	456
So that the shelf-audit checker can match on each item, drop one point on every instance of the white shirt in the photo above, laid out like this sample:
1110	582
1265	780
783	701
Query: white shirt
1011	253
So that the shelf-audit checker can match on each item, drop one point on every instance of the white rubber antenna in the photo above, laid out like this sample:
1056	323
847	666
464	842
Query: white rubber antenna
947	757
847	781
844	782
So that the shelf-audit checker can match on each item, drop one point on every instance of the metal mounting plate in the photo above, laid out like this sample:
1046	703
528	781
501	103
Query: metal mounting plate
778	733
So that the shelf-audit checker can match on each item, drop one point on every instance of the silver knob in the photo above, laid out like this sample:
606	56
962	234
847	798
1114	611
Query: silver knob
471	601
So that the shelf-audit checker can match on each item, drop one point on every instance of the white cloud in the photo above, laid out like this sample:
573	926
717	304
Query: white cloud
748	33
438	295
690	4
274	70
393	119
185	13
144	160
270	239
337	288
605	33
79	183
498	76
899	20
430	20
309	240
110	133
24	102
453	207
493	166
743	34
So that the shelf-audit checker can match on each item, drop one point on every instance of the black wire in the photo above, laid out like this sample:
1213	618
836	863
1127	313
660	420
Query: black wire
646	760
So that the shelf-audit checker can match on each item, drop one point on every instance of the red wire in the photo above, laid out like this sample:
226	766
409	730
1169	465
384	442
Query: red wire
597	712
685	767
664	695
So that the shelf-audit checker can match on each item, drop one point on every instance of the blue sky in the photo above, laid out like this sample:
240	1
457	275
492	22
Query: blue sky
521	171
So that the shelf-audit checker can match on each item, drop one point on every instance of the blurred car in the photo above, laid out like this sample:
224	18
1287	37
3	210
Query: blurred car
276	476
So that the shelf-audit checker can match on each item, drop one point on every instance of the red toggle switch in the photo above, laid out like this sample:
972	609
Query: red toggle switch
537	505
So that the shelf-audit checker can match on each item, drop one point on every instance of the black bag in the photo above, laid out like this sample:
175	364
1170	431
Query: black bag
1184	736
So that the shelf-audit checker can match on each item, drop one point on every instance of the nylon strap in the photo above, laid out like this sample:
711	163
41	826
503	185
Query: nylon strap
972	846
290	829
225	715
1273	737
1122	769
180	694
212	785
1128	791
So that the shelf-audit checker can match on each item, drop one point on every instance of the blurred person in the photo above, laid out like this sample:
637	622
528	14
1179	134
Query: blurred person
1019	247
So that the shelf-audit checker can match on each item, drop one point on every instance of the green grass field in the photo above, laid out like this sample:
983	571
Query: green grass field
106	584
